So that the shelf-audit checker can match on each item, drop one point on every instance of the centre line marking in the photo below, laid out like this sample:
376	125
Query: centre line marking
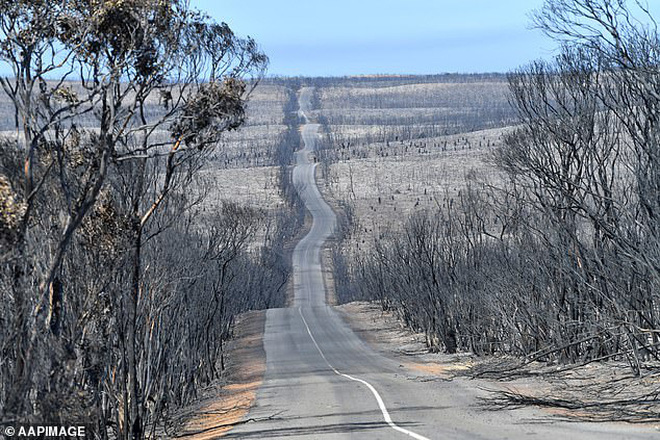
381	404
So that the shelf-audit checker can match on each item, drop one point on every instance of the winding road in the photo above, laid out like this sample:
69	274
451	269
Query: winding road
323	382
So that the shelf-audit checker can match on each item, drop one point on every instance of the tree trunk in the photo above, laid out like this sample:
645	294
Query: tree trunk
134	421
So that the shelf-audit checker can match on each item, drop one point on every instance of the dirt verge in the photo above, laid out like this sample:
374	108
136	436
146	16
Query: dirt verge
227	402
383	331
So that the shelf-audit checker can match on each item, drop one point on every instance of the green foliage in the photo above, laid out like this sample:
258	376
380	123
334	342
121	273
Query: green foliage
215	107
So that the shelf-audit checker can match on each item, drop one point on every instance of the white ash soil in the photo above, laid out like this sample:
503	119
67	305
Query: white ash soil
590	383
386	190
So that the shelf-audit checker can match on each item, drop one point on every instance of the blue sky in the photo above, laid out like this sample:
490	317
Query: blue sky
346	37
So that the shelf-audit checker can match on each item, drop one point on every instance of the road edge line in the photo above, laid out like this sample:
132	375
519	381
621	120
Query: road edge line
379	400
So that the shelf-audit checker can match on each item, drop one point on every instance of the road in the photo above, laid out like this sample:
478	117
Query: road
323	382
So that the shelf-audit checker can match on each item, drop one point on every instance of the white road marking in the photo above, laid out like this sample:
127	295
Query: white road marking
383	409
381	404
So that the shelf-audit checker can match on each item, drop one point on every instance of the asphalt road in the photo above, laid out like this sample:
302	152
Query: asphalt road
323	382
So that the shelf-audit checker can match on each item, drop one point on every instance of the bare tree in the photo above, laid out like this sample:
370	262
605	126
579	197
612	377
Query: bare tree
560	261
101	154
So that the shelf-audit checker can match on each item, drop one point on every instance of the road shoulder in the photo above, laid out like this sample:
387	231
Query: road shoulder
561	394
227	402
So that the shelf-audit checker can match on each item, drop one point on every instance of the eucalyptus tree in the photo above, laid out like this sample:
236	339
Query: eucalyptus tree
116	104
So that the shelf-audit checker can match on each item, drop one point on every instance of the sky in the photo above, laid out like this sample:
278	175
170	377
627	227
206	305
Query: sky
352	37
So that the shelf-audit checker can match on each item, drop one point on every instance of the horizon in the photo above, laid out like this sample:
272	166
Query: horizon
270	75
386	38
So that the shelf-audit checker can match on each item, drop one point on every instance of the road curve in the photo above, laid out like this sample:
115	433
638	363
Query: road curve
323	382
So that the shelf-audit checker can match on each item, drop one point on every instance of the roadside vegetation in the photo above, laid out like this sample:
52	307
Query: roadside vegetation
553	257
121	268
